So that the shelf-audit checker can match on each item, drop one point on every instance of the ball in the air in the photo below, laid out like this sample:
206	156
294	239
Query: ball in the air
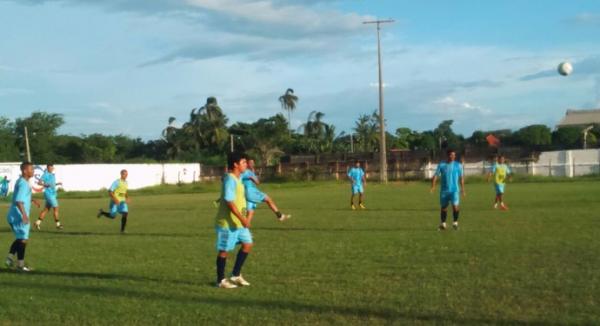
565	68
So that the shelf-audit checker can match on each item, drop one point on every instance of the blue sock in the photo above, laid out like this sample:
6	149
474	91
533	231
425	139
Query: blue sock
239	262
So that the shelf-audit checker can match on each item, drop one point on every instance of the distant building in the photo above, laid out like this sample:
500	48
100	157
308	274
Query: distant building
580	118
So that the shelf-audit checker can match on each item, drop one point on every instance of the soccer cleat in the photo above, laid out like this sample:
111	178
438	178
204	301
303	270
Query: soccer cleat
99	213
226	284
239	281
24	269
38	225
495	205
59	227
503	207
442	226
9	262
353	207
362	206
455	225
284	217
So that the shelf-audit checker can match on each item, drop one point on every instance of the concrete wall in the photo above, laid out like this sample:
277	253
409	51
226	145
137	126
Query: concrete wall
557	163
89	177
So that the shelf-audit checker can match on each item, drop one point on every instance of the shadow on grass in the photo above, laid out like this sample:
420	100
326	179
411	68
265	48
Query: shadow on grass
270	305
283	229
133	234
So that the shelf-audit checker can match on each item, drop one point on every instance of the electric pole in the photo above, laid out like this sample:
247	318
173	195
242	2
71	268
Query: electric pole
27	145
383	177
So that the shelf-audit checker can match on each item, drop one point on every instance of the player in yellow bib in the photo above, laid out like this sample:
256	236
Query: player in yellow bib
231	223
501	172
119	200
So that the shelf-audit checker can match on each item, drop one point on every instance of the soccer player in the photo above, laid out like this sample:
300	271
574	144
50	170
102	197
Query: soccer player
48	180
18	218
255	196
357	176
501	171
4	186
119	200
452	183
232	226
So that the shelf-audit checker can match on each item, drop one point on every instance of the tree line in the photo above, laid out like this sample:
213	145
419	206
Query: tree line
206	136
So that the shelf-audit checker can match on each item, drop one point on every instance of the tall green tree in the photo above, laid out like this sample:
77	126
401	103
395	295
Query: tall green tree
42	128
9	151
288	103
367	132
534	136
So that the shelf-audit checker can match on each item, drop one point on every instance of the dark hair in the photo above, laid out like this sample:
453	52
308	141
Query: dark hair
235	157
49	165
450	151
25	164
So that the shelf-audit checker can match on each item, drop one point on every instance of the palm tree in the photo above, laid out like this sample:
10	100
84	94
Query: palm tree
288	103
175	139
366	128
207	126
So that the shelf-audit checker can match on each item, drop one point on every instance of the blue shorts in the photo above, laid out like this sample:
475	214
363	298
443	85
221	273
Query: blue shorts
255	195
357	189
499	189
120	209
447	198
20	230
51	201
251	206
227	238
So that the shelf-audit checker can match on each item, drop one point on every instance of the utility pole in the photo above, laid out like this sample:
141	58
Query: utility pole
383	177
27	145
351	143
231	142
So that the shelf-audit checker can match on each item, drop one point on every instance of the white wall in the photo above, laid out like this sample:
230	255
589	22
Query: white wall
89	177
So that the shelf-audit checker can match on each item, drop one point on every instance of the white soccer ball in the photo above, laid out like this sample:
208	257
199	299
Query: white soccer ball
565	68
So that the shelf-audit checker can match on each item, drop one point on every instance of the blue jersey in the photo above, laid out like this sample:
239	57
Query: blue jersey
450	175
247	181
4	183
49	181
356	174
22	193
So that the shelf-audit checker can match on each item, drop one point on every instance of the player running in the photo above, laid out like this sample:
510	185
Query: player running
254	196
357	176
452	185
232	226
48	181
18	218
501	171
119	200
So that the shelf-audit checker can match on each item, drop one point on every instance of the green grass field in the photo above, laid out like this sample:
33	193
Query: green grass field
536	264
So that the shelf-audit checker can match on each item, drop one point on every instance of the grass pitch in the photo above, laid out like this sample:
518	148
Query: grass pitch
536	264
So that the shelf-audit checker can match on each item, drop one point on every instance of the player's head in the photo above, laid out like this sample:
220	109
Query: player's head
237	162
50	167
251	162
124	174
357	163
501	159
451	155
27	170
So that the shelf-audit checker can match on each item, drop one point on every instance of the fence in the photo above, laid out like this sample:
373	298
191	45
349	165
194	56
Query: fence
89	177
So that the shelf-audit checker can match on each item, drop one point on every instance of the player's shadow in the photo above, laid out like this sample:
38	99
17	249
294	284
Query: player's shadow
102	276
195	297
395	229
386	210
133	234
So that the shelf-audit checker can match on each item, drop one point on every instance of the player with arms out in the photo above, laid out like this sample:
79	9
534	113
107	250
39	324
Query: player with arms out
119	200
358	179
254	196
48	181
232	226
18	218
500	171
452	186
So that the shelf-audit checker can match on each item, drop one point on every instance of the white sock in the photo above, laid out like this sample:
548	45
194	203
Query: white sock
38	222
21	263
57	223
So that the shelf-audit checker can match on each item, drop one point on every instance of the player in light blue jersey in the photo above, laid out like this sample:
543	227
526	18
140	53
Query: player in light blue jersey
4	186
254	196
358	179
452	181
18	218
48	181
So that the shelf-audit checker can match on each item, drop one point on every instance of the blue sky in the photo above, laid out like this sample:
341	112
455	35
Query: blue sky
126	66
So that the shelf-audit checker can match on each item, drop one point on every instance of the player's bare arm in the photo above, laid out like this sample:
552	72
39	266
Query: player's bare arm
113	197
433	181
462	186
21	209
255	180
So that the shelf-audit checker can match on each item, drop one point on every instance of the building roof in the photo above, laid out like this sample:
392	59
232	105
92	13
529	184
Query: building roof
580	118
